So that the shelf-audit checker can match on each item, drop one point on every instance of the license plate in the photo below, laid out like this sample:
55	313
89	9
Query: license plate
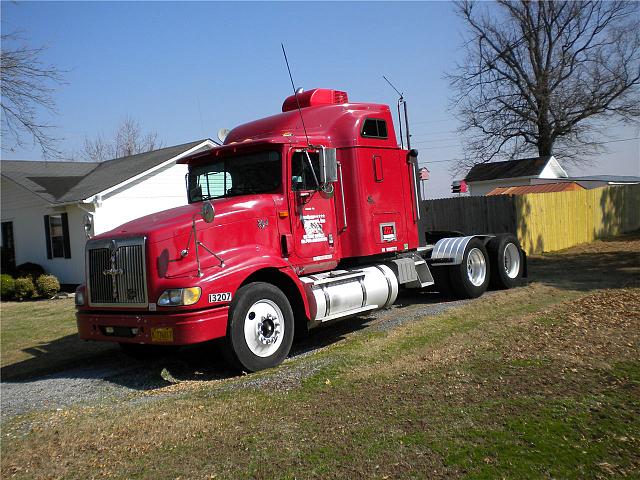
162	334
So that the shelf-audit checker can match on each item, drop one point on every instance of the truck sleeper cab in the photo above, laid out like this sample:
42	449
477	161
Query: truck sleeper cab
284	230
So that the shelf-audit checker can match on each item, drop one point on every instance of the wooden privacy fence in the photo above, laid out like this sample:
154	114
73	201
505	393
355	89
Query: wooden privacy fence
543	222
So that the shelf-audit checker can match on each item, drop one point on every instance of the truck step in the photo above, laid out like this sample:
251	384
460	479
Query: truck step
425	279
348	313
413	272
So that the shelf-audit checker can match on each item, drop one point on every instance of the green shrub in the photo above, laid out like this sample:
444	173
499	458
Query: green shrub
7	286
47	285
24	288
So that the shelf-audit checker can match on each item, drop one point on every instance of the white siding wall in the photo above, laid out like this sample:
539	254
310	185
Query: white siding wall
553	170
166	189
27	212
482	188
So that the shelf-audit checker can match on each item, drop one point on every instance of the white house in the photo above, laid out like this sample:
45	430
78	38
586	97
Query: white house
49	209
485	177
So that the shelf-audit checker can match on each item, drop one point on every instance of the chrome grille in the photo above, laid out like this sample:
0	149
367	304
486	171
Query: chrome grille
116	273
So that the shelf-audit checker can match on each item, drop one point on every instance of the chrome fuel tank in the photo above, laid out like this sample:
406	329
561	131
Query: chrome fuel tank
341	293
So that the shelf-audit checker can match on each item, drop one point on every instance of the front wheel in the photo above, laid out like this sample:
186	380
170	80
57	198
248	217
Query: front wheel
471	278
260	330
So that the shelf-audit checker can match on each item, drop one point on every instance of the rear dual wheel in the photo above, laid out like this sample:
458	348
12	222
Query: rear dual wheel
470	278
507	262
260	330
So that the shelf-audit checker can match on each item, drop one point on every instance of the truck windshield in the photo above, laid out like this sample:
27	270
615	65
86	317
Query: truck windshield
238	175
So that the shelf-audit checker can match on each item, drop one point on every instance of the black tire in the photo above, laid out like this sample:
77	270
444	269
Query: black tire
262	297
442	280
462	279
506	271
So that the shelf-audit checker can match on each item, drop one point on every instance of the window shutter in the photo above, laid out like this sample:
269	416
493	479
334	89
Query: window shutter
47	236
65	234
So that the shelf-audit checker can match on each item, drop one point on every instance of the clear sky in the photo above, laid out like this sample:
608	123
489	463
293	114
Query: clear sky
187	69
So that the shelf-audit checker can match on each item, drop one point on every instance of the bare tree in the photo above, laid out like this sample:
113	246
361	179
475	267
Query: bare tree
128	139
540	77
26	86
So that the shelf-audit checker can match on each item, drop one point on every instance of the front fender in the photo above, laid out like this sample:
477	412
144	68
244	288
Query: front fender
236	271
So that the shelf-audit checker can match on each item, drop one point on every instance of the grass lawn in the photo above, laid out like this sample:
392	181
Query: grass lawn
541	381
33	329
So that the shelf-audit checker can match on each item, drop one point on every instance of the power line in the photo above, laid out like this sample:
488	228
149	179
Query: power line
461	159
440	132
427	140
432	121
621	140
448	139
445	161
439	147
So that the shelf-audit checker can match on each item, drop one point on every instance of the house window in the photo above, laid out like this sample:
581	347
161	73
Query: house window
8	247
374	128
57	236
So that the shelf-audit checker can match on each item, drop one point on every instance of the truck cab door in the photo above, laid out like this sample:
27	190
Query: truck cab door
314	220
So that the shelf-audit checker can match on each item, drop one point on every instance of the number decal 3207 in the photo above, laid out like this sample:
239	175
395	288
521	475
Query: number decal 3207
219	297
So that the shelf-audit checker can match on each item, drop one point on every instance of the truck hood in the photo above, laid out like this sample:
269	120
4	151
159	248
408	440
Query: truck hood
177	221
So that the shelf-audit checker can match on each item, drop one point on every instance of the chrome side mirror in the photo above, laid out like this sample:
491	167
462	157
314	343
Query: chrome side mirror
88	225
208	212
328	165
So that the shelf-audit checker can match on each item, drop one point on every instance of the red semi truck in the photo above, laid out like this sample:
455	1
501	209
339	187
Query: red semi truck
299	218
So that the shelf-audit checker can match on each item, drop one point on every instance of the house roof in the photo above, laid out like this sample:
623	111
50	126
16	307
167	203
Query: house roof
526	167
63	182
542	188
608	178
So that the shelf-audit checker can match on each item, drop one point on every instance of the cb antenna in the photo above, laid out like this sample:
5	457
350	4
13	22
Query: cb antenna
401	94
295	93
401	101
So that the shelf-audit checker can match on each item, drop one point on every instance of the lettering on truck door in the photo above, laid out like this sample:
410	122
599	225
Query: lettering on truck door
313	220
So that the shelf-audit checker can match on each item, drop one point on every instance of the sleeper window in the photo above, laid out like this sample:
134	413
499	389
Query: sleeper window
374	128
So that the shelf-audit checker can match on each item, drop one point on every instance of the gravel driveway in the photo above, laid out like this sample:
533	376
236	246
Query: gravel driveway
119	378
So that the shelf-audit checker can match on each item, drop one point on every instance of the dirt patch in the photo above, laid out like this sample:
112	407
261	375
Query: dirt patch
623	243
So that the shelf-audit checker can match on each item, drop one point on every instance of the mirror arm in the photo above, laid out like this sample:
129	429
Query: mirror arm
185	251
217	256
196	242
315	177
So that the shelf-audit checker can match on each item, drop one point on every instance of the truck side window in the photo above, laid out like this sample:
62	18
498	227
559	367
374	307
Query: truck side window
301	175
374	128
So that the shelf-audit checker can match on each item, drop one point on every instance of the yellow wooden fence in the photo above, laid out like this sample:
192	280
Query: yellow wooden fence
552	221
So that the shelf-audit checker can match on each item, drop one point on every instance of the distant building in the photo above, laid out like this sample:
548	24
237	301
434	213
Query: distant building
496	177
49	209
485	177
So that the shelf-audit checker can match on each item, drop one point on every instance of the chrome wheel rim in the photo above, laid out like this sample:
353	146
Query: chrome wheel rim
264	328
511	260
476	267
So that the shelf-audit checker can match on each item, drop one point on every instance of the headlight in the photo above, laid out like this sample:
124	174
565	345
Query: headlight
80	296
179	296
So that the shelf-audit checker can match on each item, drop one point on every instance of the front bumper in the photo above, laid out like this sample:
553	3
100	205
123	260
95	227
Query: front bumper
158	329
